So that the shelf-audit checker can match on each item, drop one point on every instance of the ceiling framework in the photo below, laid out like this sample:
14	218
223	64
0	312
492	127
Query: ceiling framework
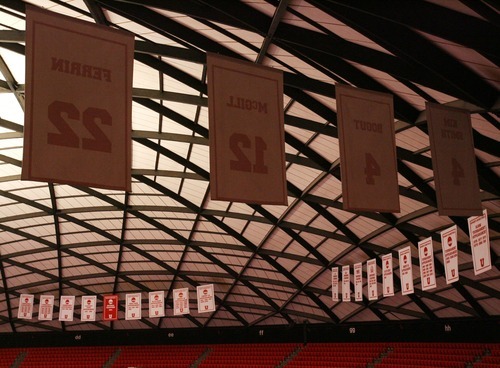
270	264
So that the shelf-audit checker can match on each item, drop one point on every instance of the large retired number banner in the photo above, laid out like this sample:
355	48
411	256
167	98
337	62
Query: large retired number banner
367	150
453	160
78	102
247	149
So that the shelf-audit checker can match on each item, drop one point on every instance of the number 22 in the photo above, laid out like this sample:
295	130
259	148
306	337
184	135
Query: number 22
67	136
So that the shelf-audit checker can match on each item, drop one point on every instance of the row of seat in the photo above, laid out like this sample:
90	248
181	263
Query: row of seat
261	355
336	355
491	359
239	355
408	365
240	352
67	364
75	357
459	357
403	362
230	365
438	350
442	355
174	356
443	345
333	359
314	364
149	364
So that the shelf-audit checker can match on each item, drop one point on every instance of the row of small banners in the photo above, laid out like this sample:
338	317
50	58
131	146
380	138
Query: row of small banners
481	257
133	305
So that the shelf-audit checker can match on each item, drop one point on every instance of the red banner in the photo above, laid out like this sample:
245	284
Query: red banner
367	150
78	102
110	308
247	149
453	160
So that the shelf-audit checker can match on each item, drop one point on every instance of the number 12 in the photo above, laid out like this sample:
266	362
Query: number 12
238	141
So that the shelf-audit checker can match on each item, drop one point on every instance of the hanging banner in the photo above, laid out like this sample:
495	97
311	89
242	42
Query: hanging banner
367	150
89	304
133	306
453	160
78	114
335	284
110	308
66	308
406	271
426	259
46	308
206	300
156	304
387	277
246	119
181	301
358	282
346	284
450	253
479	235
25	310
371	270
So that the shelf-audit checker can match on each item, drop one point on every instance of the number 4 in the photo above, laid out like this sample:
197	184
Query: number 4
372	168
457	171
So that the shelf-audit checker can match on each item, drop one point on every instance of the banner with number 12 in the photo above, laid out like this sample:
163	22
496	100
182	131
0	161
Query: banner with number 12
246	119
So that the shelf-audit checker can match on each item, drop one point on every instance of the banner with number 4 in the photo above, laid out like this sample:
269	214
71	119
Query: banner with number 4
453	161
367	150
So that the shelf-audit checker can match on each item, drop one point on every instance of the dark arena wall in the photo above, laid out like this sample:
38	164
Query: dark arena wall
431	331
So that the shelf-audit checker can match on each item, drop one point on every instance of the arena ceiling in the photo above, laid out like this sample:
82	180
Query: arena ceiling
270	264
